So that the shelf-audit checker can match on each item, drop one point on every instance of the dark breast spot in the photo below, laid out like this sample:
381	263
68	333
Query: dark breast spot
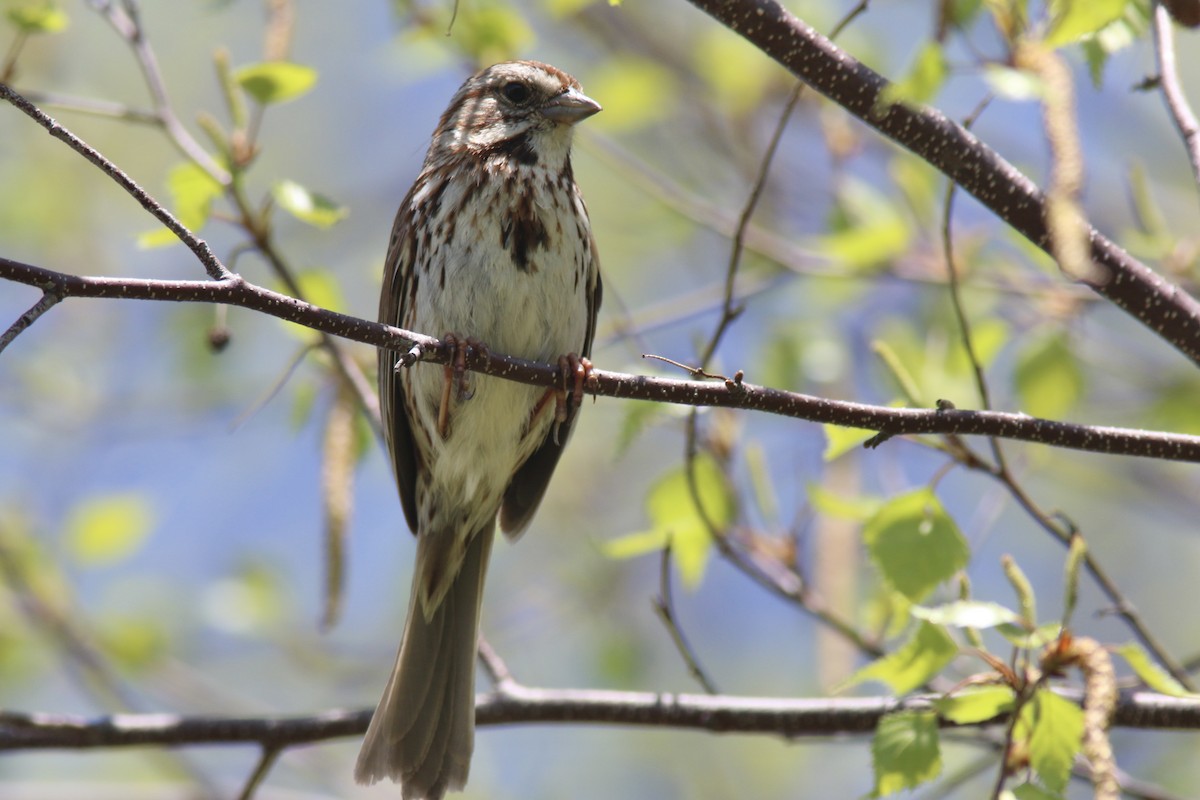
518	148
522	232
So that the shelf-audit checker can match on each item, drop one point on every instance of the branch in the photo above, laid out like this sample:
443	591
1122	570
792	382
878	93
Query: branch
1168	79
1132	286
236	291
212	265
791	717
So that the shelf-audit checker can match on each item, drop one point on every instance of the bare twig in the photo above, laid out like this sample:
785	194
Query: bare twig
1168	78
215	269
664	605
125	19
270	754
495	667
345	366
46	302
90	105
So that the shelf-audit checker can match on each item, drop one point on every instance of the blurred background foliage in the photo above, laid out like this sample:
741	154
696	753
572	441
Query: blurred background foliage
174	516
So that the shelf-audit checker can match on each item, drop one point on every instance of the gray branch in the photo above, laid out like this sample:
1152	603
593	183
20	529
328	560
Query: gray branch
788	717
701	391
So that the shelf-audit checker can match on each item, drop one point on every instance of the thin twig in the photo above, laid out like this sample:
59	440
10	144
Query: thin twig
729	310
348	370
8	67
91	105
212	265
664	605
125	19
1122	607
782	579
270	754
345	365
46	302
1168	78
496	668
274	389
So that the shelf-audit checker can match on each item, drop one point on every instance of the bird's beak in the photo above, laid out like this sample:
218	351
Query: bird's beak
570	107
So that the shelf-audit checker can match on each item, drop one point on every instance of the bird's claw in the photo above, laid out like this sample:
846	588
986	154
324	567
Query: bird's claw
576	373
457	380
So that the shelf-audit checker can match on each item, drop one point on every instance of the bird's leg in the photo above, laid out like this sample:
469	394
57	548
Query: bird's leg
576	372
457	380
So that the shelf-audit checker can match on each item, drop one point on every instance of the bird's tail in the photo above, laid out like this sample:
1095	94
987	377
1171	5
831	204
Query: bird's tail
423	731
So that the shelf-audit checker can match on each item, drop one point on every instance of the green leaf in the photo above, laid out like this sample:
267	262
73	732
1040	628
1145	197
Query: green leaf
1031	791
924	655
840	440
1055	727
975	705
491	32
632	545
915	544
869	230
315	209
886	611
192	193
905	752
675	520
833	505
1072	20
1150	672
966	614
105	530
38	18
923	81
275	81
1048	377
1115	36
134	643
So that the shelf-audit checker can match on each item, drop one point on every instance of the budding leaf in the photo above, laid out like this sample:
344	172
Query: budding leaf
275	81
315	209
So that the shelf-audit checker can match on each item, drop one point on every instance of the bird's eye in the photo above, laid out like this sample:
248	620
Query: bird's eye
516	92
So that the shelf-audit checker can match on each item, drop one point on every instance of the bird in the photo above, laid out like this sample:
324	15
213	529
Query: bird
492	250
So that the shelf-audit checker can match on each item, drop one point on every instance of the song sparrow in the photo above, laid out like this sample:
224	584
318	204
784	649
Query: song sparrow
493	245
